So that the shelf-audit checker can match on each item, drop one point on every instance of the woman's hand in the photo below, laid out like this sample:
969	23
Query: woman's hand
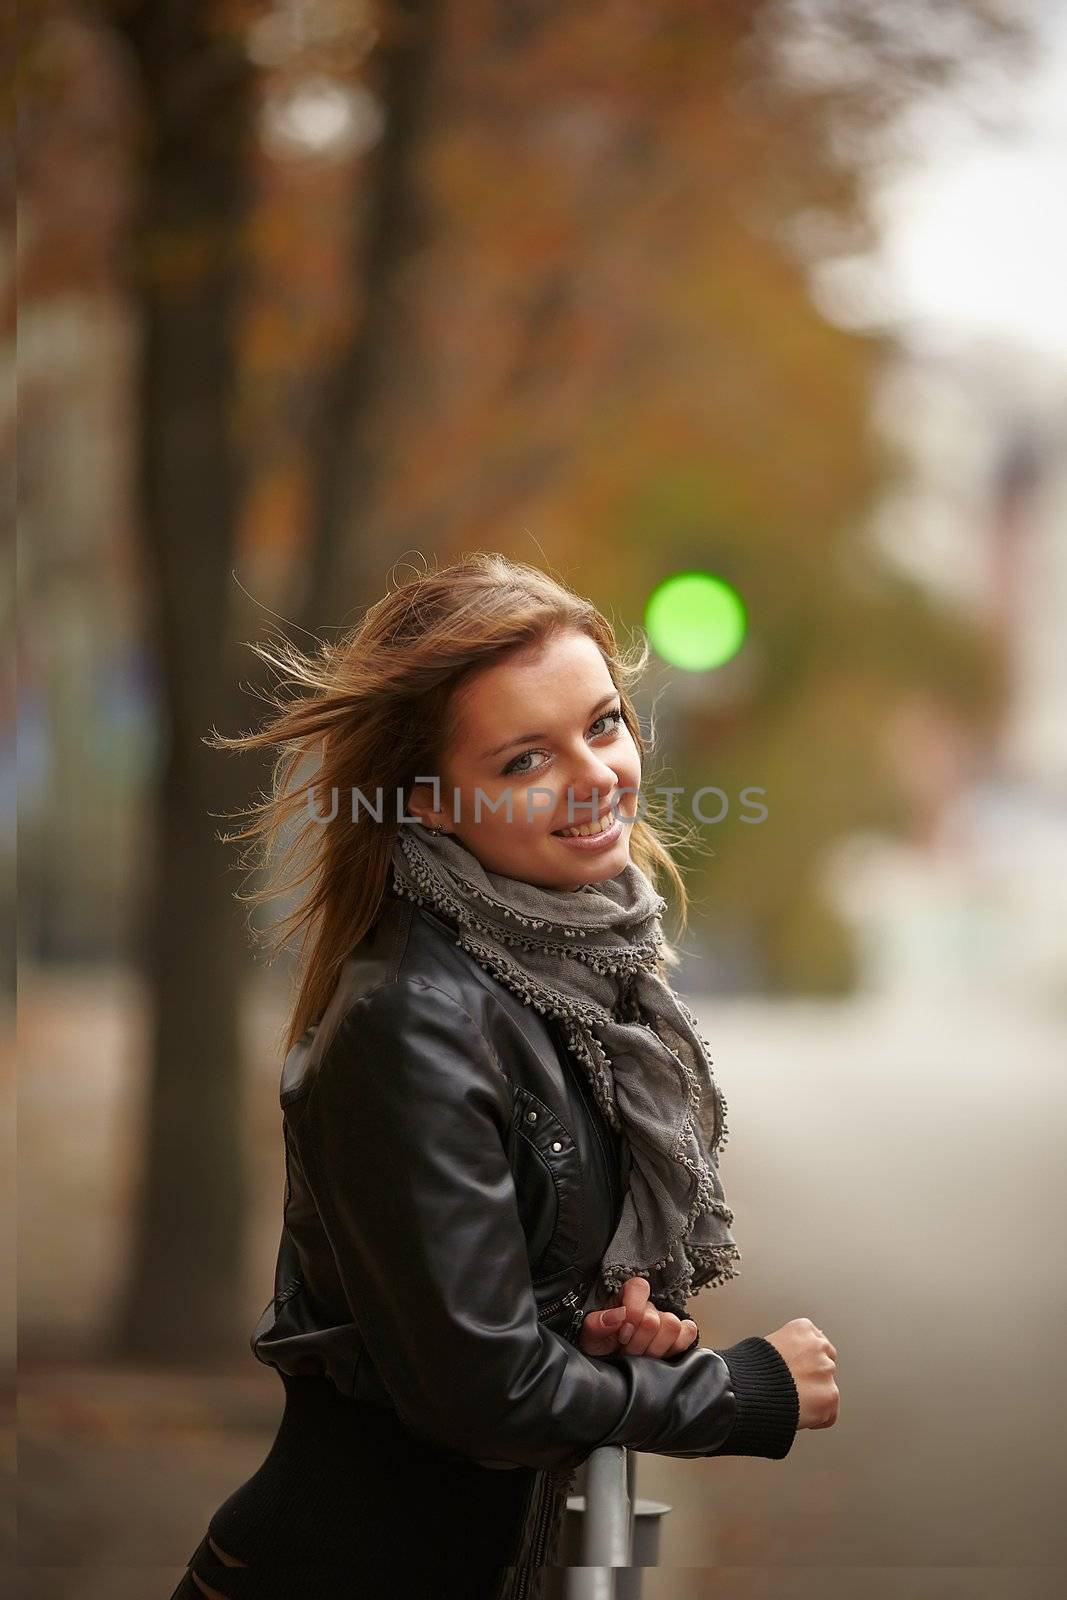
812	1360
633	1327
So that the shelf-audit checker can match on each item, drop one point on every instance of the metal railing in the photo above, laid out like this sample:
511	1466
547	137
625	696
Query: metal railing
609	1534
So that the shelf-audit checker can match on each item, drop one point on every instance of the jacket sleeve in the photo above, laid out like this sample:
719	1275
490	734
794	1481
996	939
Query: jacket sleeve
402	1140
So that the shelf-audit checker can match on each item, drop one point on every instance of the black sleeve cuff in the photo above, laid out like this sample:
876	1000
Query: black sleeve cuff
768	1405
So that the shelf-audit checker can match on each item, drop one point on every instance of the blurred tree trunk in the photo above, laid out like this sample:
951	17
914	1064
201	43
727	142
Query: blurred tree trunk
347	460
183	1298
184	1292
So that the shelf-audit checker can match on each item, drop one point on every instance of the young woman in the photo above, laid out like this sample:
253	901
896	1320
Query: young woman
500	1123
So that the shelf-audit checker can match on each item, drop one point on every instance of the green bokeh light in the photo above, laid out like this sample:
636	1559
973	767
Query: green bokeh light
695	621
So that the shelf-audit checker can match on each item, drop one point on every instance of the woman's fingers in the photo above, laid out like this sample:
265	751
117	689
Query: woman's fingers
651	1336
635	1327
645	1332
600	1331
634	1295
660	1333
671	1337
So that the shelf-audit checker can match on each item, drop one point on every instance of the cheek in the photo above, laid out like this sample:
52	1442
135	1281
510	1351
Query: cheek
629	765
528	814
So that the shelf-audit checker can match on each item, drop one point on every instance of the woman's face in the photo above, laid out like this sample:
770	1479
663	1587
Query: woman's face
542	724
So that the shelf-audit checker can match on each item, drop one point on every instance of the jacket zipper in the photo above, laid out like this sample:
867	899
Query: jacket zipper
541	1537
574	1299
543	1512
542	1529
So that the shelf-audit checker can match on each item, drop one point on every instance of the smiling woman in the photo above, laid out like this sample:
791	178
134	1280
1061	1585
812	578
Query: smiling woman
499	1122
588	765
428	696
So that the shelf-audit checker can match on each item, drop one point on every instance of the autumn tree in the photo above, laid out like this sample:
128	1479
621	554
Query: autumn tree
437	273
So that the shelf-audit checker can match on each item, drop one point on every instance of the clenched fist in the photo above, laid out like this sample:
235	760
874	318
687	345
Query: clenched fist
633	1327
811	1359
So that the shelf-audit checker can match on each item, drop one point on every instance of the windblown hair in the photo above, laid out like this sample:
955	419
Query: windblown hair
375	709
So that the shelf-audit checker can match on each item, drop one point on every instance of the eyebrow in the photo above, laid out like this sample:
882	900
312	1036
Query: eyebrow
524	737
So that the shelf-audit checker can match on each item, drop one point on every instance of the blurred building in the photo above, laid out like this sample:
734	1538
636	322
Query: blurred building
974	900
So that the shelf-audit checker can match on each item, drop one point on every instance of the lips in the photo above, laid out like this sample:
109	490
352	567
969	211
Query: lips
580	822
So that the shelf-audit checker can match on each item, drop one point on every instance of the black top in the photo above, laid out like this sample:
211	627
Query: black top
350	1500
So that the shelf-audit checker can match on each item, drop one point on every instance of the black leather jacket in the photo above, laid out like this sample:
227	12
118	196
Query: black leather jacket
451	1187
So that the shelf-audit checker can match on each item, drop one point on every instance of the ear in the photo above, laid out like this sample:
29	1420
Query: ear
421	804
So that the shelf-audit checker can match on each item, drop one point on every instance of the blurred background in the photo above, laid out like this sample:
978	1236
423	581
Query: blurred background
773	292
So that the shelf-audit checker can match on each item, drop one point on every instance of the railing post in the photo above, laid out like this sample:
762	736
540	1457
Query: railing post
617	1536
608	1540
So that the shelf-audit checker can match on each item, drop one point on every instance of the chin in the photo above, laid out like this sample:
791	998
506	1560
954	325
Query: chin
607	867
570	876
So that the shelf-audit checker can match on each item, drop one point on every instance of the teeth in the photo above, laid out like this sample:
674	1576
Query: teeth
588	828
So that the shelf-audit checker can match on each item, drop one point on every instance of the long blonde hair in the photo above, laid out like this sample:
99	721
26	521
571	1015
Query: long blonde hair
377	707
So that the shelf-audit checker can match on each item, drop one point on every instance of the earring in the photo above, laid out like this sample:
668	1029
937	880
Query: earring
435	831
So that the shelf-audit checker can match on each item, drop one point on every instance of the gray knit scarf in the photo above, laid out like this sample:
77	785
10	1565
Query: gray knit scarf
588	957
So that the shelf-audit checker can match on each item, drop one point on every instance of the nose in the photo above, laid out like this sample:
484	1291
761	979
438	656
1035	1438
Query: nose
596	779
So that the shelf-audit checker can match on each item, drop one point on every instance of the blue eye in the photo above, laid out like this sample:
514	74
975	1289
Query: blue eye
615	716
513	769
